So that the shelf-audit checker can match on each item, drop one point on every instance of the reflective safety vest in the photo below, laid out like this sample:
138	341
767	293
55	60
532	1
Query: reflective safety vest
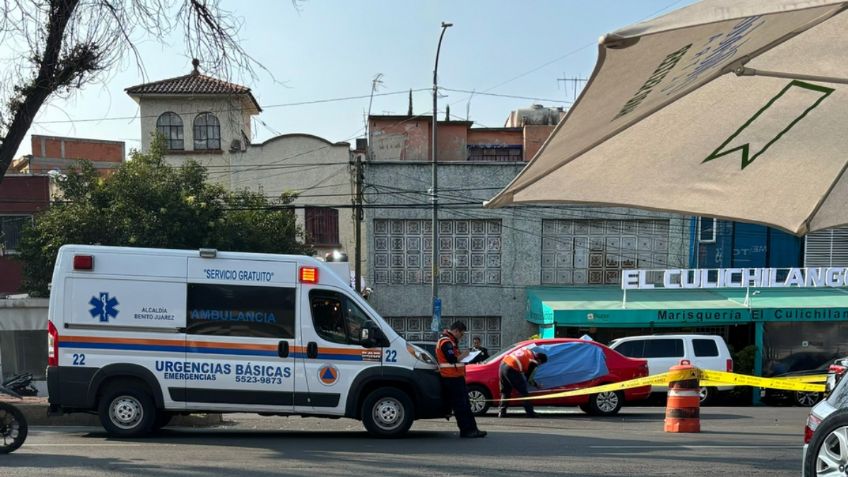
520	360
446	369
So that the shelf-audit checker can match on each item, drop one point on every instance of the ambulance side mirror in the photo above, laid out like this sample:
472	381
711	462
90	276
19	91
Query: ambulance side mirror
371	336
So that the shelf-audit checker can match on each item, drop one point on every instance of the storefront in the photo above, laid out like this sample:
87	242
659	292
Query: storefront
793	327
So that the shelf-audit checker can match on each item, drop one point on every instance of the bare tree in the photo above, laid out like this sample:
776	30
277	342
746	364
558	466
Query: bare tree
60	45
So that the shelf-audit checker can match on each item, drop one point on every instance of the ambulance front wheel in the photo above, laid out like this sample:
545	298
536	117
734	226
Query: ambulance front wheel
387	412
126	411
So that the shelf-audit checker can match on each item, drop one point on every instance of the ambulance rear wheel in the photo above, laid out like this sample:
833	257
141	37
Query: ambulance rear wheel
387	412
126	411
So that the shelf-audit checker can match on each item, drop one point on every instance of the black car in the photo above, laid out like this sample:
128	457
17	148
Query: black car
794	362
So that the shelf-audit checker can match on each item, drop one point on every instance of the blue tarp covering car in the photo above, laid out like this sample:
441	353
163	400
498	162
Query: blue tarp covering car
569	363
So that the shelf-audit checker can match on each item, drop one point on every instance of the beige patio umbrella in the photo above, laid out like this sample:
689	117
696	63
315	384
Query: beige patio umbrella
733	109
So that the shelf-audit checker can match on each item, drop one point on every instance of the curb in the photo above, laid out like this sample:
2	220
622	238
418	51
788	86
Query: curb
36	415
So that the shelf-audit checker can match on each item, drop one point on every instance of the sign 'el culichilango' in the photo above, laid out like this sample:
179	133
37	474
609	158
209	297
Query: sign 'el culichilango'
831	277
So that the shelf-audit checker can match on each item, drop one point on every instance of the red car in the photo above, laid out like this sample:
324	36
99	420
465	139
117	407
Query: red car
609	367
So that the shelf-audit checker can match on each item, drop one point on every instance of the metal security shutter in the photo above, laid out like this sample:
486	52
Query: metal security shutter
826	248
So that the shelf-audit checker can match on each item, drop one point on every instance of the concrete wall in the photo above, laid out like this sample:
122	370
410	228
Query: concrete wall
23	337
520	235
229	111
404	138
534	137
312	166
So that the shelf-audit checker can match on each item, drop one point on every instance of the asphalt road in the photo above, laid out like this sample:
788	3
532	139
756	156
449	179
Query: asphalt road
733	441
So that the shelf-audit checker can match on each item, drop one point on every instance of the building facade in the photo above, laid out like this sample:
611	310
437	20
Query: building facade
209	121
488	259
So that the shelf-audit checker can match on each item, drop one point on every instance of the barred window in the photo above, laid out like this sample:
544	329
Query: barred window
322	226
207	132
496	153
11	227
170	126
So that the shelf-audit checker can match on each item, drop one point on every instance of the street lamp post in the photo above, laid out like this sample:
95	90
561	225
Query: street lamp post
435	326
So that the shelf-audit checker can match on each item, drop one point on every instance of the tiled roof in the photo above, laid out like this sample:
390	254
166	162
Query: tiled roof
191	84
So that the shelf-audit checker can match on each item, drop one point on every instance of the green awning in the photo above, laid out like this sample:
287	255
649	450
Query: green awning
606	306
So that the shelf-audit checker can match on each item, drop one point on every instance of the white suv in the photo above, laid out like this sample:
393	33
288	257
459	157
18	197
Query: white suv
665	351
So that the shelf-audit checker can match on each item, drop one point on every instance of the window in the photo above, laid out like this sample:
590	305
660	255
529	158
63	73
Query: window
663	348
232	310
632	349
322	226
207	132
705	348
826	248
170	126
336	317
11	227
706	230
496	153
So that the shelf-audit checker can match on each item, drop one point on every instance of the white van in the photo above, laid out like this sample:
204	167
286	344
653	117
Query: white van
139	335
665	351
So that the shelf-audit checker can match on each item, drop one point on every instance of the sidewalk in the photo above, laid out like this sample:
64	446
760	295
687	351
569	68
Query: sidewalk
35	411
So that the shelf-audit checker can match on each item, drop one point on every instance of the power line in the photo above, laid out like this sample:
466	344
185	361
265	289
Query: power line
268	106
531	98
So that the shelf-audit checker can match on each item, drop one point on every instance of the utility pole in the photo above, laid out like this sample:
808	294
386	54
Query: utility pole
357	275
436	324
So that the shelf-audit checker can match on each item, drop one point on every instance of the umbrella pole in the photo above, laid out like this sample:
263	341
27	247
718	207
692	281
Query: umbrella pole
744	71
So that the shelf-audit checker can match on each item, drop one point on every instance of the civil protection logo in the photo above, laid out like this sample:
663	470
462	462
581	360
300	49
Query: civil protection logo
103	307
328	374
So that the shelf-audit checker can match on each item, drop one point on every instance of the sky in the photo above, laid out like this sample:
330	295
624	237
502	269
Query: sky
330	49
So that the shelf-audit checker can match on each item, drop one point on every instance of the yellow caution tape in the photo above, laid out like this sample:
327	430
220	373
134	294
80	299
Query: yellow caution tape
771	383
817	378
705	377
664	378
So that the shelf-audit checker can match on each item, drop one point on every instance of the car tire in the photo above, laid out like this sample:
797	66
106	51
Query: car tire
708	395
387	412
479	399
604	404
126	410
805	399
830	435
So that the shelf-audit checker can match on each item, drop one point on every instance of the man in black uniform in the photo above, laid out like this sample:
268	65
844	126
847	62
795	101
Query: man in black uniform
477	346
452	371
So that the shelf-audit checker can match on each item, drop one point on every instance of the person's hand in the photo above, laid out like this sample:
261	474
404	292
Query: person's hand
462	355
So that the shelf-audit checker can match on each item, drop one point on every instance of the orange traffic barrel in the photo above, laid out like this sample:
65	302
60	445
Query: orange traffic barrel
683	406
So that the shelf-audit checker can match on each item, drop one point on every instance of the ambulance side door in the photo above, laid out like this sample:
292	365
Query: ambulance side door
331	354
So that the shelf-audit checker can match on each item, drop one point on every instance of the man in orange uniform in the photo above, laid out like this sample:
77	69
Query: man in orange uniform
452	370
515	368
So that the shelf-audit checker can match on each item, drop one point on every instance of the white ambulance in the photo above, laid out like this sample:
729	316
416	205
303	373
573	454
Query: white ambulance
140	335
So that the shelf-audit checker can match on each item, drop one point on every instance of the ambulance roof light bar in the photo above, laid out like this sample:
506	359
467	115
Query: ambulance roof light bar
208	253
308	275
